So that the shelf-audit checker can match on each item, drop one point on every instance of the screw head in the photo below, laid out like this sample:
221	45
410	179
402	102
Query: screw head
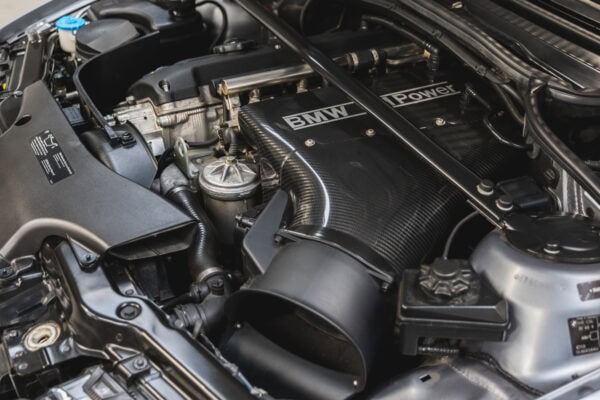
309	142
439	122
22	366
370	132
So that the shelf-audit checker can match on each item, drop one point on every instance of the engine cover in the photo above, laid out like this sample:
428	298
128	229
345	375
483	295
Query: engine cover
352	184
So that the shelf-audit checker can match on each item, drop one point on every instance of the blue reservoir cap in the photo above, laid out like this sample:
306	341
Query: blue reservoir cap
69	23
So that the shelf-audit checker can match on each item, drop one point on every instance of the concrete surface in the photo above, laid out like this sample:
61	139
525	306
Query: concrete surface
11	9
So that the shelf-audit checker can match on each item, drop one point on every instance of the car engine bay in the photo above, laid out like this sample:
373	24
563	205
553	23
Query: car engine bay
293	199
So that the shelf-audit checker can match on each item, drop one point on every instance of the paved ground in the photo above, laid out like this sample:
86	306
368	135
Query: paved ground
10	9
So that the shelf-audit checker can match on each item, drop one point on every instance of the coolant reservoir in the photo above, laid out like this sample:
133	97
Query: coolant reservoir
67	27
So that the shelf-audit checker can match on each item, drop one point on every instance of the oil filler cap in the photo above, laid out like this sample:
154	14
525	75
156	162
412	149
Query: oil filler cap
228	179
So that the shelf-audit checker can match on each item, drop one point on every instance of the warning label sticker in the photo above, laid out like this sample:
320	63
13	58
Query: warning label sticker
49	154
584	334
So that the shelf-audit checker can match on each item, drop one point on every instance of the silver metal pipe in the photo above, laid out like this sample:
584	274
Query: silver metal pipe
245	83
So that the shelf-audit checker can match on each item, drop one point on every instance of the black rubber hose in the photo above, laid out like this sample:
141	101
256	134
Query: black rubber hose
510	106
202	254
224	24
434	51
553	145
437	35
500	137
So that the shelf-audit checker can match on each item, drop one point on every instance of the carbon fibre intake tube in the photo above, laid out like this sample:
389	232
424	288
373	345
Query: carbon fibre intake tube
451	169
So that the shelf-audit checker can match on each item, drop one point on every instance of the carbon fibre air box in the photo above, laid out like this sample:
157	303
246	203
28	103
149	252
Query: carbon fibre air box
355	186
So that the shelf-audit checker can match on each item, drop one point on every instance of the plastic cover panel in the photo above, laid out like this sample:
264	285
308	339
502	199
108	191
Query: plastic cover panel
41	196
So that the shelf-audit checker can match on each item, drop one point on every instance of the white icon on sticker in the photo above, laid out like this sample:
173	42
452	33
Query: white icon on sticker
50	141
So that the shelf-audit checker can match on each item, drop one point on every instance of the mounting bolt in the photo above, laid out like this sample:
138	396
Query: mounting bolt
504	203
140	363
309	142
22	366
12	334
129	311
486	187
552	247
370	132
355	383
64	347
457	5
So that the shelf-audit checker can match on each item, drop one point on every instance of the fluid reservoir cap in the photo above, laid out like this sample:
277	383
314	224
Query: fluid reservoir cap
446	278
69	23
228	179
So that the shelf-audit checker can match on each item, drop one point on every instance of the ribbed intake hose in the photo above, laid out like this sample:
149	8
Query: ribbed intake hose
202	254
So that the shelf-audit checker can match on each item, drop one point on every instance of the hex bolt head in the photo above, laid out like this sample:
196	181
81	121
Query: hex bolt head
370	132
22	366
129	311
309	142
140	363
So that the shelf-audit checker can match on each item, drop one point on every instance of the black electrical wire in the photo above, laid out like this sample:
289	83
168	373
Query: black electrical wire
500	137
224	25
491	361
510	106
455	230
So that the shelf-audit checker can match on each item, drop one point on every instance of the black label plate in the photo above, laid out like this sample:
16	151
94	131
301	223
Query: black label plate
584	334
49	154
589	290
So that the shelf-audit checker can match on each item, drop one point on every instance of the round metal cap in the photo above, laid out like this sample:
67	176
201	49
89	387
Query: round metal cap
228	179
